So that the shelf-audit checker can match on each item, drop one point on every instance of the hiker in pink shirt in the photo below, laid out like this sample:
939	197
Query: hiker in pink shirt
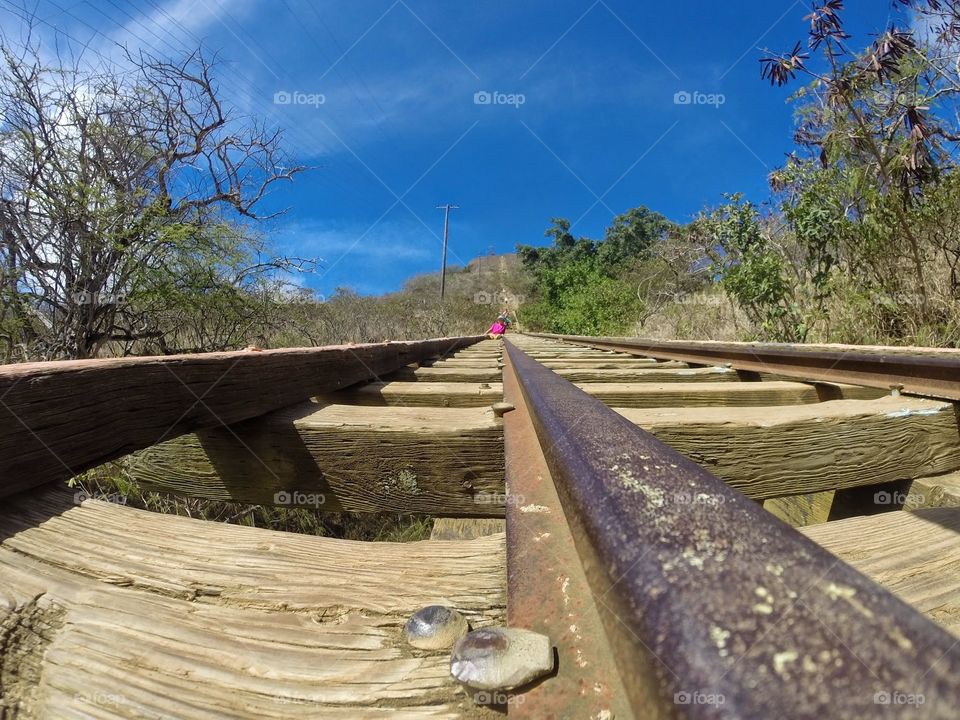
500	325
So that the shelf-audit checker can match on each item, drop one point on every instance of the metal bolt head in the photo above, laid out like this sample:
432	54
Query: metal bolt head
500	658
435	627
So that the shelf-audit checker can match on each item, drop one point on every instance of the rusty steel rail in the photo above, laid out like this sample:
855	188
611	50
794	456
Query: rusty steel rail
547	592
714	608
929	372
58	419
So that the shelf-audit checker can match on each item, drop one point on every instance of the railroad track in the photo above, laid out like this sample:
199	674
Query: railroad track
703	530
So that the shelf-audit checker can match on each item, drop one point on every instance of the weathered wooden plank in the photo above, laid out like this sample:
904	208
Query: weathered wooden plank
464	394
684	375
643	375
446	374
801	510
584	354
933	492
420	394
338	457
59	418
915	555
119	612
474	352
931	373
481	362
699	394
466	528
616	362
792	450
443	373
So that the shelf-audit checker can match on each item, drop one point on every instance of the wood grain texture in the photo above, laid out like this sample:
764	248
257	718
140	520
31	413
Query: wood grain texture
466	528
445	374
802	510
130	614
419	394
60	418
444	461
699	394
933	492
616	362
488	363
915	555
642	375
792	450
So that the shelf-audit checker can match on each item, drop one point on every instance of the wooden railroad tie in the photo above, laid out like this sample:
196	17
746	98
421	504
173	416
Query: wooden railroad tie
631	500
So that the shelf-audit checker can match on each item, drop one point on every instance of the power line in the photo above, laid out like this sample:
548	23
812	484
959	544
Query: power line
376	122
166	46
345	183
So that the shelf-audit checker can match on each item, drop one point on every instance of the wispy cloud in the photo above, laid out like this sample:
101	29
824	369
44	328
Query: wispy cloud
384	257
187	20
390	241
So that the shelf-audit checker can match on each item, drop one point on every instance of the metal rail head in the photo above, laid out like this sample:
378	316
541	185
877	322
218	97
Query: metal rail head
713	606
933	372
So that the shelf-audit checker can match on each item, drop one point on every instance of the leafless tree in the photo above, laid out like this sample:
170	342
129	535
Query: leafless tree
124	189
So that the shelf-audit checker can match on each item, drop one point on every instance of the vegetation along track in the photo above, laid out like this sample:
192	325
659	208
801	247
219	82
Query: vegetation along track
649	497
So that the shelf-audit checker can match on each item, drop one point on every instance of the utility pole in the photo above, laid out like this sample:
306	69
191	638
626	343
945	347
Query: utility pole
446	233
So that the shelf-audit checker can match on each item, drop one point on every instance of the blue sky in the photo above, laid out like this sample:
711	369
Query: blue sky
383	105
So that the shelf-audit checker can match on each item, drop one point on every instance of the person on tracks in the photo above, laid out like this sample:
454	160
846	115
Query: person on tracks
499	326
